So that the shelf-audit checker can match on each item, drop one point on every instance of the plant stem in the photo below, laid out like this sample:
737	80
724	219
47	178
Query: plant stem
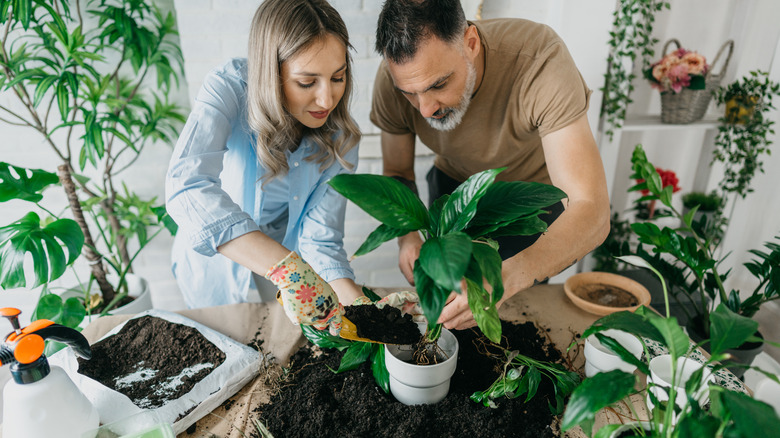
95	260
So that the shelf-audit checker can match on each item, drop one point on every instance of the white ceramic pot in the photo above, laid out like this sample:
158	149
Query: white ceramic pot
138	289
661	376
599	358
421	384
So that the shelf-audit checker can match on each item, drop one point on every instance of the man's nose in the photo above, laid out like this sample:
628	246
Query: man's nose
427	106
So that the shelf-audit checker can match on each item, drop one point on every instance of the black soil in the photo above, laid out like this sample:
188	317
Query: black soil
607	295
387	325
156	353
316	402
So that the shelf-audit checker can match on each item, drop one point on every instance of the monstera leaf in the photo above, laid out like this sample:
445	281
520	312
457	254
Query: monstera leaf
24	184
45	245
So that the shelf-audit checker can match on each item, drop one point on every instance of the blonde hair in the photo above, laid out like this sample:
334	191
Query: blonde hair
280	29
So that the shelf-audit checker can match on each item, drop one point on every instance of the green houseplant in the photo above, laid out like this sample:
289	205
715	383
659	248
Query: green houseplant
730	413
94	84
744	129
458	231
686	257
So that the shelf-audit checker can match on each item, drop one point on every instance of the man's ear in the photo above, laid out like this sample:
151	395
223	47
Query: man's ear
471	41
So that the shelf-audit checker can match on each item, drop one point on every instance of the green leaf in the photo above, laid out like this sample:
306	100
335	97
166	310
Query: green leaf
484	311
384	198
380	235
675	338
752	418
461	206
506	201
729	330
594	394
356	354
621	351
432	297
446	258
26	235
371	294
490	265
73	312
323	339
636	323
49	307
25	184
379	369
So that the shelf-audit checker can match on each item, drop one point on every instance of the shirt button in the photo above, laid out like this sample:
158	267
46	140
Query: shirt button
295	198
296	164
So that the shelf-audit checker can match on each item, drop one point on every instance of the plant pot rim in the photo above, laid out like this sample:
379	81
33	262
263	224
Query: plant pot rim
634	288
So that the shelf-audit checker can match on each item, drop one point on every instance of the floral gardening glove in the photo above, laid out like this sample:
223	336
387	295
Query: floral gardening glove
405	301
307	299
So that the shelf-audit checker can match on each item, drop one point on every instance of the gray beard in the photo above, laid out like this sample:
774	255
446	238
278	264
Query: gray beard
453	116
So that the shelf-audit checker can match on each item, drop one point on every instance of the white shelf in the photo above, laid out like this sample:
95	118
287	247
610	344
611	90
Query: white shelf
653	122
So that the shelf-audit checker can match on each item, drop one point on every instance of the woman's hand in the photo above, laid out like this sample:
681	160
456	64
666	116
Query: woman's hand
307	299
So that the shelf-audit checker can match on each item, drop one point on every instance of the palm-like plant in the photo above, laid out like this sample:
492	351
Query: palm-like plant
94	84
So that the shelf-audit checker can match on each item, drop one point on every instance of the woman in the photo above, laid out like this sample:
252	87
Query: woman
248	175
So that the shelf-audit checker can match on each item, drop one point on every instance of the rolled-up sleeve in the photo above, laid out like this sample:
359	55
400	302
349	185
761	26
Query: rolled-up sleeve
195	197
321	238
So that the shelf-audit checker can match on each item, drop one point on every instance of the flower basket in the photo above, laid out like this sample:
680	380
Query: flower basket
689	105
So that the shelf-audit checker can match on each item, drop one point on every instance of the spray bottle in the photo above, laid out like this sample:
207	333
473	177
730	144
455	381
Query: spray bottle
41	401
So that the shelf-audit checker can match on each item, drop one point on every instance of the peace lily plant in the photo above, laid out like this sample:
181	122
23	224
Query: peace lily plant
731	413
458	232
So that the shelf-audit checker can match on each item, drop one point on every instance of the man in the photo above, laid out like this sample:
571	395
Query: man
484	95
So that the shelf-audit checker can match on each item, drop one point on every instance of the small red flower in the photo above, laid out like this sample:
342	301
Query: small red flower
668	178
306	293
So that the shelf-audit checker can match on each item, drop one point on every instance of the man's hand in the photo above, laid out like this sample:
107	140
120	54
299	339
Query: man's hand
408	252
306	297
405	301
457	315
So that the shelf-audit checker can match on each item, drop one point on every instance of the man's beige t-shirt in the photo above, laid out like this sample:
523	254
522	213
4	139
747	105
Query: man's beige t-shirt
531	87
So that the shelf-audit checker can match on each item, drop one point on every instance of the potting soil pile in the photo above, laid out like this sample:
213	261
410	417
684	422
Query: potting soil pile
315	401
164	362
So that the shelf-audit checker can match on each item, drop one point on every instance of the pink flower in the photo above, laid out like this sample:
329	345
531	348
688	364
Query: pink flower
278	273
305	293
696	63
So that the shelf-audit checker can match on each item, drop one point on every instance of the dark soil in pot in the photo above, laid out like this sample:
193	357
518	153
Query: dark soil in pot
606	295
387	325
315	401
152	361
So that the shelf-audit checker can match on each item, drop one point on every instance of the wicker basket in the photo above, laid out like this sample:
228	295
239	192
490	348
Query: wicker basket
688	105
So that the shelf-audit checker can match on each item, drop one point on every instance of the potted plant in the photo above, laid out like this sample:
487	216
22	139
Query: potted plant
674	376
94	84
686	258
457	232
743	131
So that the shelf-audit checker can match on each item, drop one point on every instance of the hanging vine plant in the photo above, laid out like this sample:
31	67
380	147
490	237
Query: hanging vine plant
631	34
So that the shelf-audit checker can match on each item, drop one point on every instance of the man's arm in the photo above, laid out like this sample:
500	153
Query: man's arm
398	161
575	167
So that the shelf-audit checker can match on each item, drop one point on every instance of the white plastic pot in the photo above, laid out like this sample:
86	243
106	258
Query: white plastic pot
599	358
138	289
661	376
421	384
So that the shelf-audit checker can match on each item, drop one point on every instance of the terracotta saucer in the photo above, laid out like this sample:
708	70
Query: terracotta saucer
583	290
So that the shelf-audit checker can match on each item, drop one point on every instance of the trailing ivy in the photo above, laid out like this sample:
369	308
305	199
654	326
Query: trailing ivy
631	34
743	132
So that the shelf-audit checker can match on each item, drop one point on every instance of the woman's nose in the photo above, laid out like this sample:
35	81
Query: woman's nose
324	98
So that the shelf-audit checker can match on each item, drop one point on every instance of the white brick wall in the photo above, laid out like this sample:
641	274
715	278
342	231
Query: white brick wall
211	31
